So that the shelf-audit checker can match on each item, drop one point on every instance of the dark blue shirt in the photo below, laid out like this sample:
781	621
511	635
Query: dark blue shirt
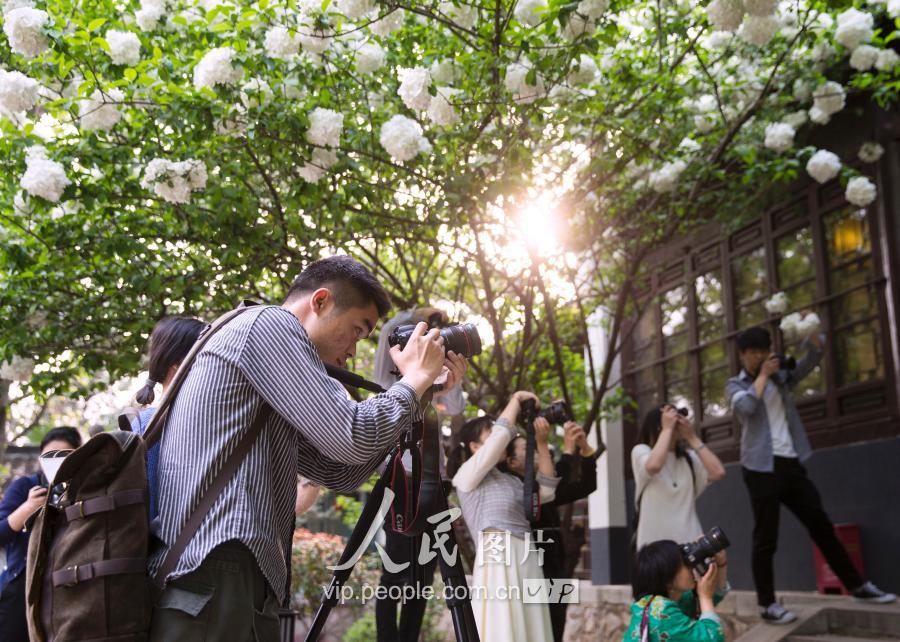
15	542
152	461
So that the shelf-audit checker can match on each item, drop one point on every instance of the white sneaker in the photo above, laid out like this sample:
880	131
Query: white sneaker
776	614
868	592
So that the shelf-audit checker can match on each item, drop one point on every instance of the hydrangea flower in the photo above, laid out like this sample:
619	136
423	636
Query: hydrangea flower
215	68
325	127
529	12
887	60
150	13
281	43
516	82
322	160
854	28
759	30
864	57
463	15
369	58
389	23
585	73
823	166
99	111
665	179
829	97
860	191
725	15
441	111
24	27
18	93
870	152
43	177
174	181
777	304
402	138
124	47
779	137
414	84
592	8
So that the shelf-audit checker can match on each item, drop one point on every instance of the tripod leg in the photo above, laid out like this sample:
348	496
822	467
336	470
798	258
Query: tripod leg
331	595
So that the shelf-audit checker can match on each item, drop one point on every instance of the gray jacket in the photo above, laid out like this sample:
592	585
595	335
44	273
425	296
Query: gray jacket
750	410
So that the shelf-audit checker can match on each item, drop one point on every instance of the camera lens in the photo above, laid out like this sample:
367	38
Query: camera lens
557	412
463	339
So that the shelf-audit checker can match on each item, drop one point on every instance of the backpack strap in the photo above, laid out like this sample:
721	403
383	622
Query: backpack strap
73	575
229	468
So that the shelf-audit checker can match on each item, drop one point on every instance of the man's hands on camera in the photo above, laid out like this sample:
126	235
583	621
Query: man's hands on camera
541	431
421	360
35	500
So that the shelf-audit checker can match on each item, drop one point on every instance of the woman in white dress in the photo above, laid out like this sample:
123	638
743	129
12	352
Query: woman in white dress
672	466
493	508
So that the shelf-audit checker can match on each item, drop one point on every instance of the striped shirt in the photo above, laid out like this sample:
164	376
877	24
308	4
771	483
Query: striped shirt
491	499
315	430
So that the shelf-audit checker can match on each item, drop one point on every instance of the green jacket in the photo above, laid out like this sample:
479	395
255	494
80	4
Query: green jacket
674	621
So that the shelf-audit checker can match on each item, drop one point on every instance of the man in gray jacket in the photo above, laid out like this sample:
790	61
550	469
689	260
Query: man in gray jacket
773	447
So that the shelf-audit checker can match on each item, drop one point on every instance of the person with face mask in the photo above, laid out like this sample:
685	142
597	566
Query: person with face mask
773	448
492	506
231	576
21	500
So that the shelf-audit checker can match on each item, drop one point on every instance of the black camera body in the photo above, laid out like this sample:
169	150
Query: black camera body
557	412
682	411
786	362
697	554
463	338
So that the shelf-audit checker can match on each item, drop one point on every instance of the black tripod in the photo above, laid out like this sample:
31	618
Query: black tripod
455	586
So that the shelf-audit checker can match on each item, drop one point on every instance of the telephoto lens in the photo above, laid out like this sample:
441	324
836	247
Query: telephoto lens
463	339
698	554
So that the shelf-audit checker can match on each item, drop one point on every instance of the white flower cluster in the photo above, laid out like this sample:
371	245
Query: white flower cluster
314	40
18	94
369	57
322	160
779	137
665	179
215	68
99	111
463	15
174	181
592	8
578	25
707	111
777	304
864	57
516	83
43	177
585	73
887	60
17	369
529	12
24	27
725	15
402	138
441	111
325	127
854	27
150	13
796	326
355	9
280	43
870	152
860	191
414	84
759	30
124	47
796	119
823	166
389	23
828	98
761	7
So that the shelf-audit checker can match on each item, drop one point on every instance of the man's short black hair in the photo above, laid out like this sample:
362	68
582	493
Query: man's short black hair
655	568
754	338
351	284
63	433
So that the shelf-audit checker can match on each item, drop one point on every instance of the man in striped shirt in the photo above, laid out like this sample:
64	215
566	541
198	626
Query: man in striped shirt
233	573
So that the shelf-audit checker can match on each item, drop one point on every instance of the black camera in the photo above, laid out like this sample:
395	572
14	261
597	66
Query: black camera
682	411
698	554
786	362
557	412
463	339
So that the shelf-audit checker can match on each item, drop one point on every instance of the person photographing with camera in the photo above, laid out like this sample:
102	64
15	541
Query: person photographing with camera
774	446
21	500
676	594
672	467
268	365
492	507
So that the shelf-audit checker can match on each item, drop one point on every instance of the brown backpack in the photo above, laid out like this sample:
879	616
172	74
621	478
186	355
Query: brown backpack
87	556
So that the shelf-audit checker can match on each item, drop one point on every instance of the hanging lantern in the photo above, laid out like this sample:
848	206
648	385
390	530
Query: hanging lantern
849	236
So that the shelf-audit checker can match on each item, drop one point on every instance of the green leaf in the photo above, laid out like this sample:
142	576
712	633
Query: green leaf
130	74
96	23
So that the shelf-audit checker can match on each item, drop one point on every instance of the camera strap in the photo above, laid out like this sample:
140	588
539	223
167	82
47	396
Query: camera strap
645	622
417	492
531	498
